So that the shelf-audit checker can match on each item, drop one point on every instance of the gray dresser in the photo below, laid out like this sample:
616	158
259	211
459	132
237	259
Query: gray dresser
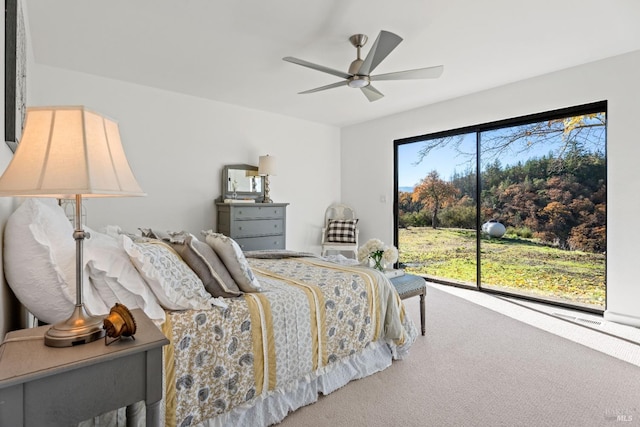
254	226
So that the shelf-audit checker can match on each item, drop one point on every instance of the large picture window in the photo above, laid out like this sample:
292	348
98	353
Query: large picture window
517	206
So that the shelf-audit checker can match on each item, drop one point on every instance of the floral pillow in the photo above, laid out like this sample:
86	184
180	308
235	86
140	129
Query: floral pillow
172	281
231	254
342	230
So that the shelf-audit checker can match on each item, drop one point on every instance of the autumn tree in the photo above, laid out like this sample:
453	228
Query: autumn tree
406	204
435	194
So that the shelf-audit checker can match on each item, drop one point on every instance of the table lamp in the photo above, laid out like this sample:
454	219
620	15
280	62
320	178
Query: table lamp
70	152
266	167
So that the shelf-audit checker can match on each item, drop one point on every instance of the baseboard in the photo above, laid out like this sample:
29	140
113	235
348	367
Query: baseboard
625	319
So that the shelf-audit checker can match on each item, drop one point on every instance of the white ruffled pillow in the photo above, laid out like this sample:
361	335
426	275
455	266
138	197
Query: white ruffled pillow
40	262
116	278
231	254
175	285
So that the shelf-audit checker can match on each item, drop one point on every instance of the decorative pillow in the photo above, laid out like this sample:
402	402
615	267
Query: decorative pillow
342	230
201	258
231	254
39	262
154	234
115	277
207	265
175	285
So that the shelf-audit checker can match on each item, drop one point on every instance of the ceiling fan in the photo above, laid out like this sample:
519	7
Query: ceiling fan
359	74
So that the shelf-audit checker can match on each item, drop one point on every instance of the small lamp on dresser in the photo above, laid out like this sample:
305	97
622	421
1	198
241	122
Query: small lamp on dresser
266	167
70	152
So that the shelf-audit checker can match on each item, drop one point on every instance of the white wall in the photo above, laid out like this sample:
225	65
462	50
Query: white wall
615	80
177	146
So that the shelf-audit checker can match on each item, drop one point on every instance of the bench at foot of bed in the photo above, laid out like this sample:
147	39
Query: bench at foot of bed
410	285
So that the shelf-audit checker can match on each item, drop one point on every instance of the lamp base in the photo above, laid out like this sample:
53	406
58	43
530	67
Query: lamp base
80	328
266	198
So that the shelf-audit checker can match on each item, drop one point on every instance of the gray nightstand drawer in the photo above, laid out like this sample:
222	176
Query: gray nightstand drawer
258	212
258	228
261	243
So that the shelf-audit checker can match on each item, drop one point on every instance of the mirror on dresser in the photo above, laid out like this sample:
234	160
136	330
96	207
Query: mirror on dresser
242	182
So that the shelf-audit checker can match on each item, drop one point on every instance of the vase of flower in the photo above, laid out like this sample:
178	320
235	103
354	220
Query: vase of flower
376	257
377	253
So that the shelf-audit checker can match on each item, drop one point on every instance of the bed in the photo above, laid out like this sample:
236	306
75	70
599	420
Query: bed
253	335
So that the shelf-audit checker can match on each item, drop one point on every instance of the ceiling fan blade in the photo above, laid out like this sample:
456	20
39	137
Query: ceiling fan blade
419	73
317	67
371	93
331	86
382	47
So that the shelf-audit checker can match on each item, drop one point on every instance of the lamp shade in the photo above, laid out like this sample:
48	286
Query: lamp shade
67	151
267	165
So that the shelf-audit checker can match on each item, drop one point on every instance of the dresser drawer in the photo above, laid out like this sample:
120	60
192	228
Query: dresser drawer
261	243
254	226
265	227
258	212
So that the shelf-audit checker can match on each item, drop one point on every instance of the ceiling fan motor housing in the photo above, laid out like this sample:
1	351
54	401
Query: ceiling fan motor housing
355	66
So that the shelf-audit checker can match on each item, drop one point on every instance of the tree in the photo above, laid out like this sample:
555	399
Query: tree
582	132
435	194
557	223
406	204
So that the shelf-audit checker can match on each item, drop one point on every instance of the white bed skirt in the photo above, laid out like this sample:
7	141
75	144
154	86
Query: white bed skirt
273	407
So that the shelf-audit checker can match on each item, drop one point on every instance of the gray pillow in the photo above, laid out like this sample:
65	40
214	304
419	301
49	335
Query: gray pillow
203	260
231	254
154	234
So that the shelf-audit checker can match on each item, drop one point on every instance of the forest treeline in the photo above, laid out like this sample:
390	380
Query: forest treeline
558	200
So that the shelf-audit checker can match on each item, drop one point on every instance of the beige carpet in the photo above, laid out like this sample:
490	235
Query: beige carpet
478	367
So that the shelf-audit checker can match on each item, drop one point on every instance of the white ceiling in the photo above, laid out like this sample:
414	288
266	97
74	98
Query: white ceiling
231	50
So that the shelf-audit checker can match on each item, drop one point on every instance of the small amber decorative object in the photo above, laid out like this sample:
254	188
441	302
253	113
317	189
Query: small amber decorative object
119	323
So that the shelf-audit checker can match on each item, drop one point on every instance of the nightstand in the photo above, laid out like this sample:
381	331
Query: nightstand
42	385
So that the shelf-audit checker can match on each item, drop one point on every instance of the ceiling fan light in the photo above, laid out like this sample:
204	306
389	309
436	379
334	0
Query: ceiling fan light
358	81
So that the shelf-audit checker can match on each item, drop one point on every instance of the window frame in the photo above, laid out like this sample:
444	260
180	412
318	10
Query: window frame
594	107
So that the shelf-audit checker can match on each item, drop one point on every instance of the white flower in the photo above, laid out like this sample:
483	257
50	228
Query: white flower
376	249
363	254
375	245
390	255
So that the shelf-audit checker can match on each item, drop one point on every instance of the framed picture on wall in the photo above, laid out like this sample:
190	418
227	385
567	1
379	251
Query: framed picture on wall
15	73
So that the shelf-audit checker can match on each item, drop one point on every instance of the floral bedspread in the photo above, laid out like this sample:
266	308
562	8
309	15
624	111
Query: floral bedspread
310	314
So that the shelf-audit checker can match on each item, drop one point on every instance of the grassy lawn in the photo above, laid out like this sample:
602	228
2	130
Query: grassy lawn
510	263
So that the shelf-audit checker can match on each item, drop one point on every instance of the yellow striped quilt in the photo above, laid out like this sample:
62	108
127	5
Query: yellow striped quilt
310	314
